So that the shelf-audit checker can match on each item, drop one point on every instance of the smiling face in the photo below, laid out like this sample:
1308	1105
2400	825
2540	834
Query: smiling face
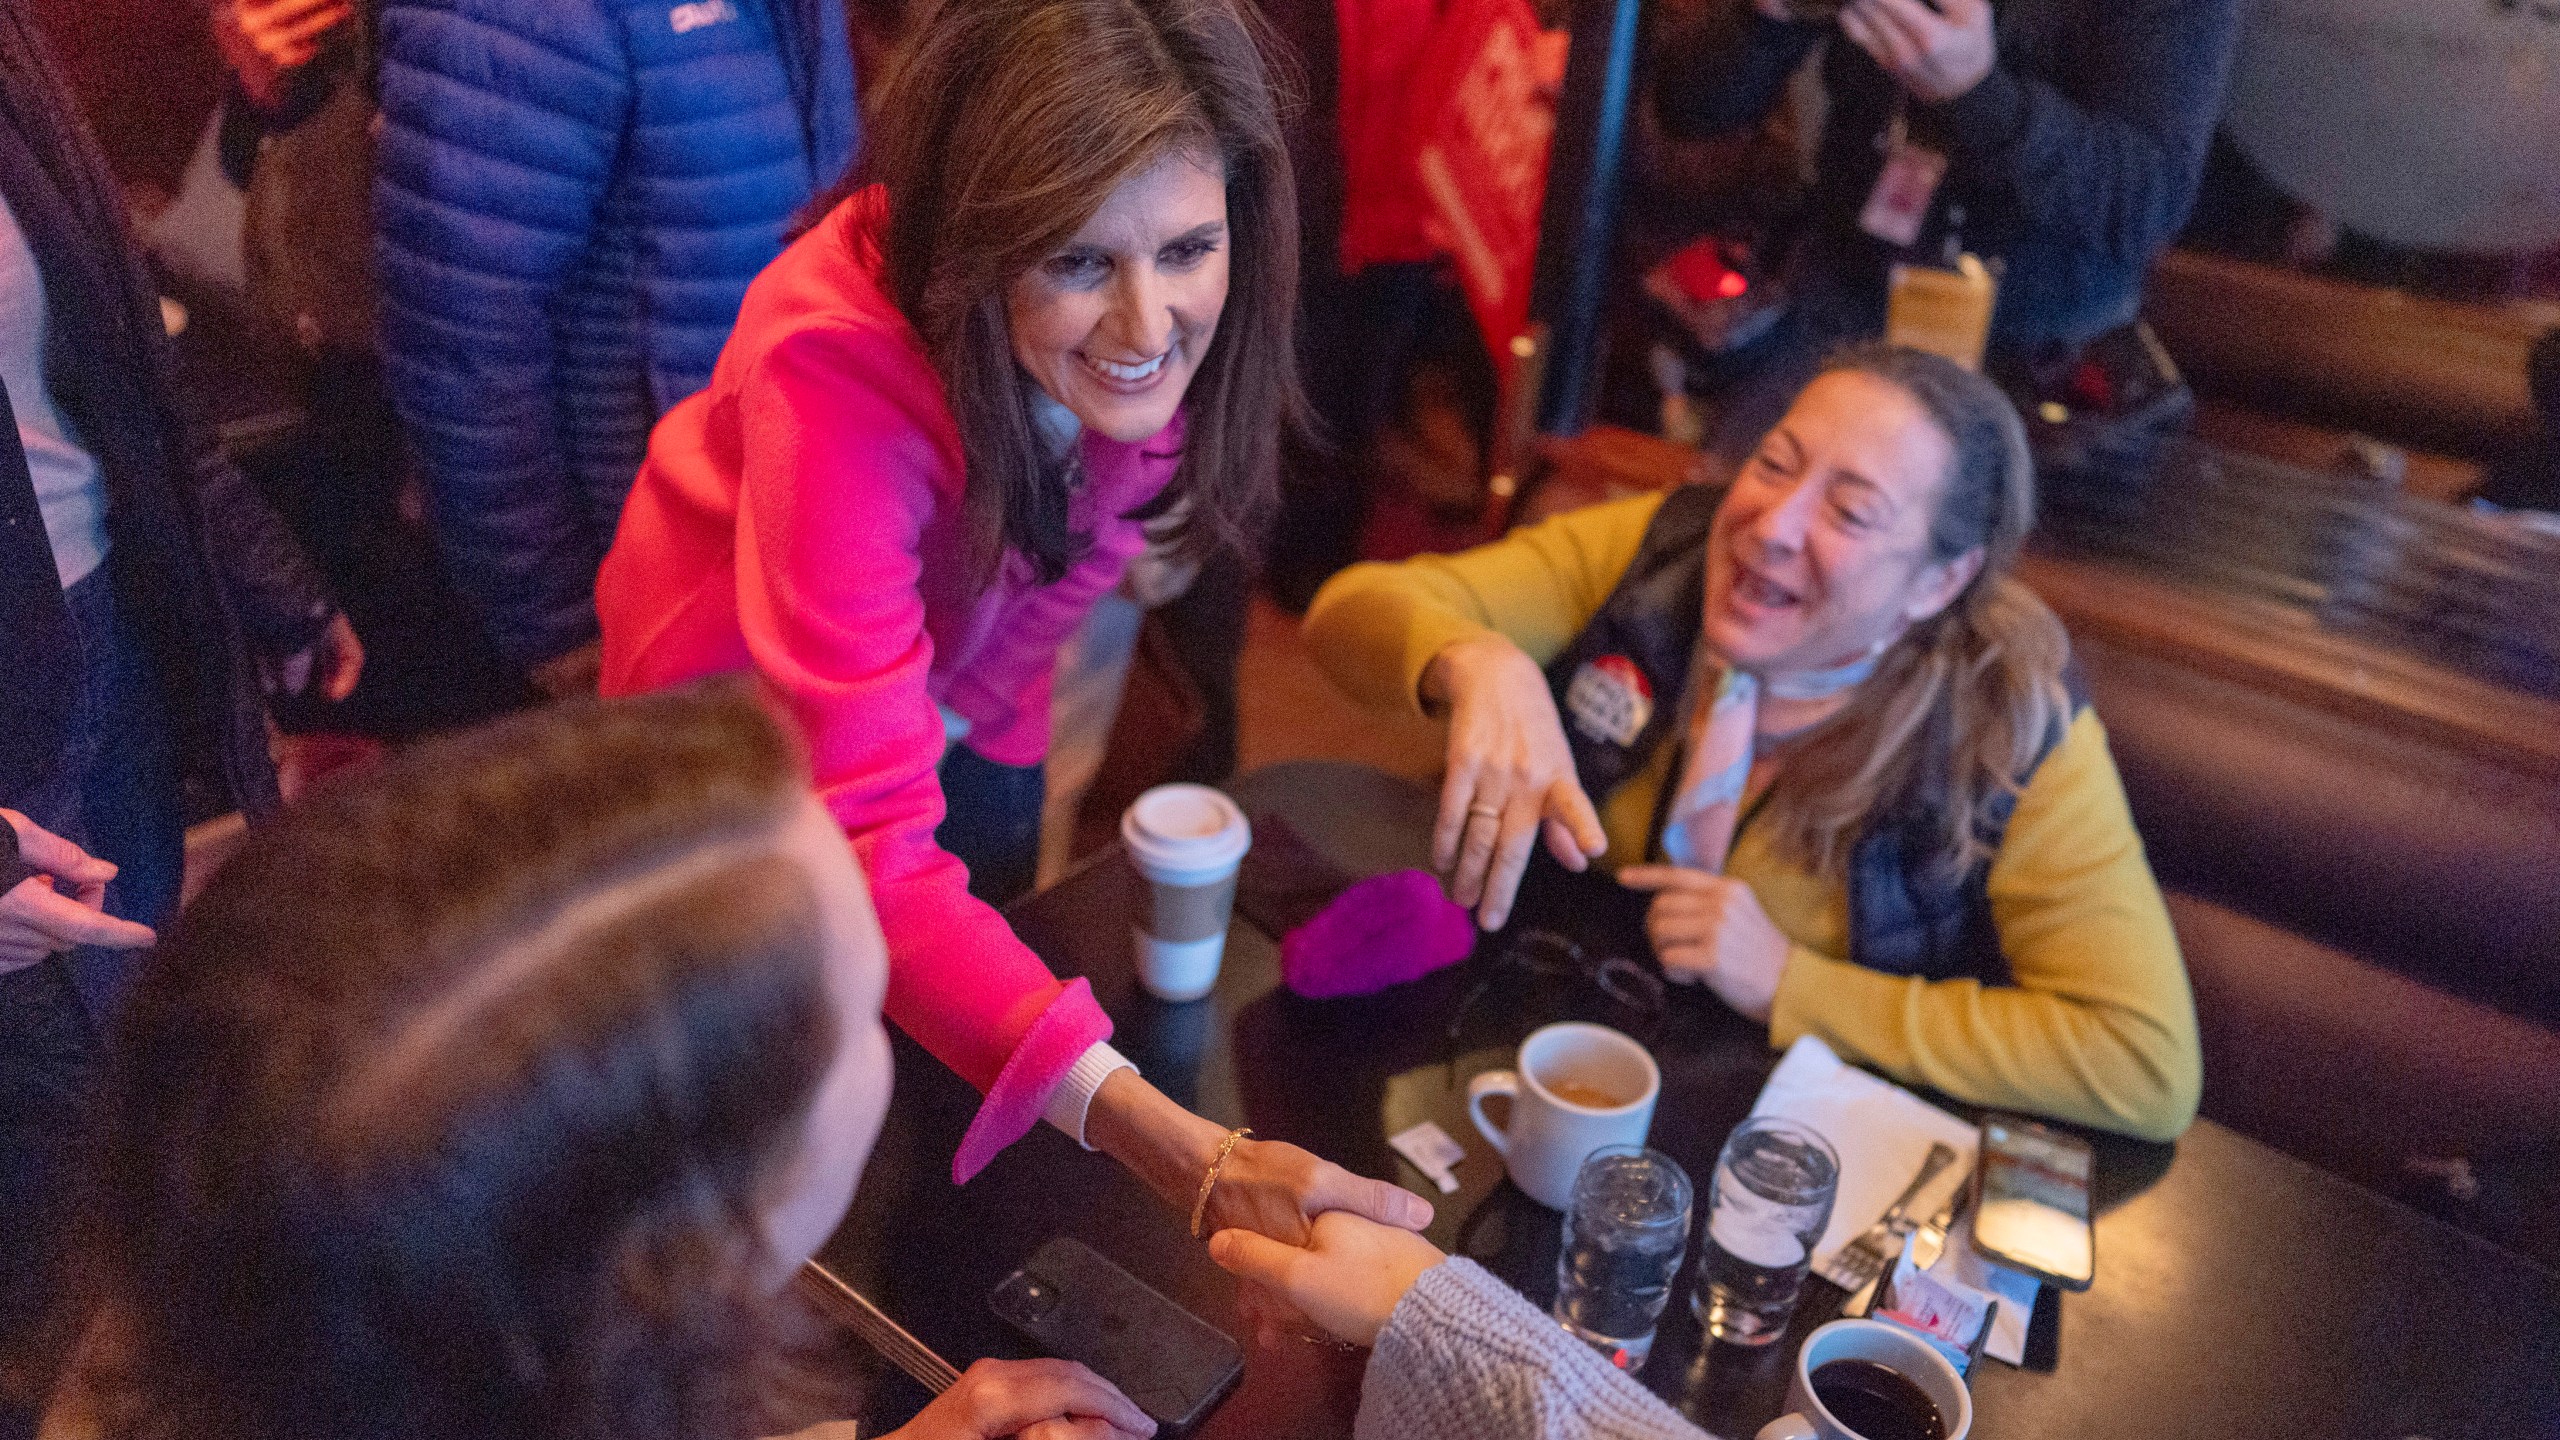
808	1196
1820	552
1114	324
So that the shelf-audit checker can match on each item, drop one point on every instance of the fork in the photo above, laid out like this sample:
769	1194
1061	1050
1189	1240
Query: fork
1865	1258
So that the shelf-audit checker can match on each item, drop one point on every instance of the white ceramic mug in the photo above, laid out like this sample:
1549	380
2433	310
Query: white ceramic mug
1890	1346
1550	1135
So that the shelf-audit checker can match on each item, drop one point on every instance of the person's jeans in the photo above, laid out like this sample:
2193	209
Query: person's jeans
991	822
116	795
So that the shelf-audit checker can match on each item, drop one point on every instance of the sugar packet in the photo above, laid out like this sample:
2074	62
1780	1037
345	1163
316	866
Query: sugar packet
1952	1316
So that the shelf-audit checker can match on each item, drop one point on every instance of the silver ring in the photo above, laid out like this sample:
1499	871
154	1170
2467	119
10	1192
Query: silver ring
1485	812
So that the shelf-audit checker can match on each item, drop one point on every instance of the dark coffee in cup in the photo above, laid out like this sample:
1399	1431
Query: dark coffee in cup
1877	1402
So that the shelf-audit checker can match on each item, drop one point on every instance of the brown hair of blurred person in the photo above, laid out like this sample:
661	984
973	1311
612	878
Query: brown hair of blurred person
443	1111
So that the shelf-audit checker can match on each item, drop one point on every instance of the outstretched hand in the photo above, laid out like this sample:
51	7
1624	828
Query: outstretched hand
1511	778
1274	1188
1347	1279
1267	1186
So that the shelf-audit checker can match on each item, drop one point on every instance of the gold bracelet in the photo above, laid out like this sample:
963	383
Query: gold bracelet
1209	1181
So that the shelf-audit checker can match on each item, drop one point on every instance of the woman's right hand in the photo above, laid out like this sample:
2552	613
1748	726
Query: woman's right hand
264	41
37	920
1510	776
1348	1279
1033	1399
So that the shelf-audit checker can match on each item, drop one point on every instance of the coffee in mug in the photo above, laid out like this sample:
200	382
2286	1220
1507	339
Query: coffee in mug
1575	1091
1867	1380
1876	1402
1577	1088
1186	841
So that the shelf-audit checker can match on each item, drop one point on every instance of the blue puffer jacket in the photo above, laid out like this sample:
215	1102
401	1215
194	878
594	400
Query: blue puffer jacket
571	198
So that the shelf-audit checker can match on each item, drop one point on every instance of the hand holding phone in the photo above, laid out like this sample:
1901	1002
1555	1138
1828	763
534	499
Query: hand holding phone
1075	1304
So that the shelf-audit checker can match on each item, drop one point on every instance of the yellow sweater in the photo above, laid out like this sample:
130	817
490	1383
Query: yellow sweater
2100	1027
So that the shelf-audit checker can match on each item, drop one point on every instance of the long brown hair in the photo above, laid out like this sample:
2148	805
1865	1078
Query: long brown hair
445	1109
1005	126
1964	703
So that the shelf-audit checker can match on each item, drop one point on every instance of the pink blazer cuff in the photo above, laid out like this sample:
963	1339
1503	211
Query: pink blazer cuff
1073	1024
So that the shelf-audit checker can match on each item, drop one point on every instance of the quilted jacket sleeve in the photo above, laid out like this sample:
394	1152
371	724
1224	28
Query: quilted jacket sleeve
501	123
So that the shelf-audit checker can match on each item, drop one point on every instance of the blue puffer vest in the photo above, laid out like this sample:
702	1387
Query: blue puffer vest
1905	918
571	198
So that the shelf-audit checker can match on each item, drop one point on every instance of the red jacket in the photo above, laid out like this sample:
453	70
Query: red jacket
803	516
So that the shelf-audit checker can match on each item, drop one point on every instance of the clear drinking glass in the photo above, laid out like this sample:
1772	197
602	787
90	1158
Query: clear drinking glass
1770	1199
1624	1235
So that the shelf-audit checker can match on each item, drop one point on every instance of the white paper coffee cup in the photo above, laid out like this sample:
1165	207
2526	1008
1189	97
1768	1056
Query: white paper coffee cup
1187	840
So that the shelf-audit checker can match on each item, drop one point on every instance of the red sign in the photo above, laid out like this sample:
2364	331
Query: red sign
1447	120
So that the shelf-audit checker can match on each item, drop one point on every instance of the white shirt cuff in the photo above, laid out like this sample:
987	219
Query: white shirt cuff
1074	1095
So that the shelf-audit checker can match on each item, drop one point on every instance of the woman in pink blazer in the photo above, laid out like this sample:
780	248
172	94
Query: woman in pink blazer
1050	312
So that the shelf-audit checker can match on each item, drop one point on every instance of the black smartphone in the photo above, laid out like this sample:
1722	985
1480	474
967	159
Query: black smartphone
1076	1305
2032	1213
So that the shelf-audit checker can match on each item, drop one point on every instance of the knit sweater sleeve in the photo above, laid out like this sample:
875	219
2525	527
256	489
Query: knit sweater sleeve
1375	627
1466	1358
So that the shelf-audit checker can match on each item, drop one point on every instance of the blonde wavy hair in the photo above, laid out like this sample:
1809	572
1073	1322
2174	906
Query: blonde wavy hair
1965	703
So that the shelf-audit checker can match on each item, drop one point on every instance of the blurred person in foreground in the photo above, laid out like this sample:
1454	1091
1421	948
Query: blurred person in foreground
146	593
1815	715
500	1092
570	198
2063	139
1049	314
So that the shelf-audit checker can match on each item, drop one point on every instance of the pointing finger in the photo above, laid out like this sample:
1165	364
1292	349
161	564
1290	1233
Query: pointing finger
1667	877
68	922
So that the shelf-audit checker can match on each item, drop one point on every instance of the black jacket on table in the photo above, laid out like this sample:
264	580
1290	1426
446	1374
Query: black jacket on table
203	569
2075	161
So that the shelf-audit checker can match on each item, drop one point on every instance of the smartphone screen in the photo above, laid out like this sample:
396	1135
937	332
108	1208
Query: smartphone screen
2034	1214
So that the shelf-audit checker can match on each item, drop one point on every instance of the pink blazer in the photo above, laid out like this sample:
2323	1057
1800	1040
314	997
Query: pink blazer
802	517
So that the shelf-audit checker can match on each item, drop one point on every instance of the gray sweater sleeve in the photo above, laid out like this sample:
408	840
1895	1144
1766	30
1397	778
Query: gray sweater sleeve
1466	1358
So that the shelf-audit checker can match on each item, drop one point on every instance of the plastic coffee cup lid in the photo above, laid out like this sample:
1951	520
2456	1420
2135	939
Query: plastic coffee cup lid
1179	830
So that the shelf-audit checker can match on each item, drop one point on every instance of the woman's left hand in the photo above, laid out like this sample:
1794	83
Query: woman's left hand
1709	929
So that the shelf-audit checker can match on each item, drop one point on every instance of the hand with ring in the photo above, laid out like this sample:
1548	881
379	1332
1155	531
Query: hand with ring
1511	778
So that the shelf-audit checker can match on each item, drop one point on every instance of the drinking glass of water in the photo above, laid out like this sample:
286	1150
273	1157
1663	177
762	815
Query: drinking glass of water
1768	1204
1623	1237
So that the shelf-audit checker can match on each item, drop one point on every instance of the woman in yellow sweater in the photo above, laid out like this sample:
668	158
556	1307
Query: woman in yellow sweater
1844	746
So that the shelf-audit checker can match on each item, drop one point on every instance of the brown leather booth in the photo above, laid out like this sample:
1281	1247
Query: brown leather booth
2372	925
